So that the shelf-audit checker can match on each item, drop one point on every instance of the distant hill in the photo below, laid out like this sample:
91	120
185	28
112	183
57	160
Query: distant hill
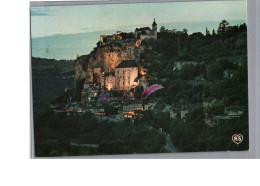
49	78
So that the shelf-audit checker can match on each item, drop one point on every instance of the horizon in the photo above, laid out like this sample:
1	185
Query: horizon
64	32
240	21
51	20
69	46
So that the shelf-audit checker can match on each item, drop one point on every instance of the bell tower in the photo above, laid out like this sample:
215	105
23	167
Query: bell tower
154	27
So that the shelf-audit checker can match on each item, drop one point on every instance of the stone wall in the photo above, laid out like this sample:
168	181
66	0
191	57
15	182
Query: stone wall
126	78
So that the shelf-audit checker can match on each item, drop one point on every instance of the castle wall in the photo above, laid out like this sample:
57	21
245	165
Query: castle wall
143	36
110	82
155	34
125	78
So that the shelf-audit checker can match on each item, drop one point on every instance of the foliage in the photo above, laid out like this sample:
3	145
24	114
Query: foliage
49	77
79	87
207	32
214	71
223	26
55	134
126	36
193	135
110	110
225	50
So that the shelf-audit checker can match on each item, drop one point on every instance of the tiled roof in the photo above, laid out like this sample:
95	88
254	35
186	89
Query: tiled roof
142	29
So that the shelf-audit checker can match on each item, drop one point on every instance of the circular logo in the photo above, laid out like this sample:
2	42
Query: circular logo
237	138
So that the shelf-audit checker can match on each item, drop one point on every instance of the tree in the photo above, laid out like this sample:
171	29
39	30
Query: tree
207	32
196	35
214	71
185	31
125	35
213	32
162	29
223	25
110	110
79	87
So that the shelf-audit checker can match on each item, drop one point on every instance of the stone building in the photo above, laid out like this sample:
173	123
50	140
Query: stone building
108	38
126	75
109	81
141	33
146	32
123	77
179	64
208	102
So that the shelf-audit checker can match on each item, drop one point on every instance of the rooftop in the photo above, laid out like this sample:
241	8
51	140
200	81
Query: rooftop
127	63
109	74
142	29
234	108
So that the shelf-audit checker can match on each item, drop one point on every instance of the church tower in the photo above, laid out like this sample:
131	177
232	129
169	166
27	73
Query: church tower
154	27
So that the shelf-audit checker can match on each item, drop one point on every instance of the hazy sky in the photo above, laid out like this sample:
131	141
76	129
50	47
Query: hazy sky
46	21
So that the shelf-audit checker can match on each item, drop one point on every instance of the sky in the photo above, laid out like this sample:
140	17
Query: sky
48	21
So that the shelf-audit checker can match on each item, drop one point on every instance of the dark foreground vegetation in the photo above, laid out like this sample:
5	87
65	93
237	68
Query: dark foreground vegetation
57	134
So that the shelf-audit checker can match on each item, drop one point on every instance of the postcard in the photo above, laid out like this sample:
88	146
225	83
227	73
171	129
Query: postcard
139	78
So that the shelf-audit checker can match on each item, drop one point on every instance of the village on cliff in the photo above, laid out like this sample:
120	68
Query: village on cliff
112	76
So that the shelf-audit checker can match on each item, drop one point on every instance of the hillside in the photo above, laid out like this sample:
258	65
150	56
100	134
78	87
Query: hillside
214	55
193	68
204	101
49	78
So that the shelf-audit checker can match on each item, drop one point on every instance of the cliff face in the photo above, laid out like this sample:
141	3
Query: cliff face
107	57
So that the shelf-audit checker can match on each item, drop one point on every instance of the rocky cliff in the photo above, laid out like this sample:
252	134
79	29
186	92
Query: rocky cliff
107	57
